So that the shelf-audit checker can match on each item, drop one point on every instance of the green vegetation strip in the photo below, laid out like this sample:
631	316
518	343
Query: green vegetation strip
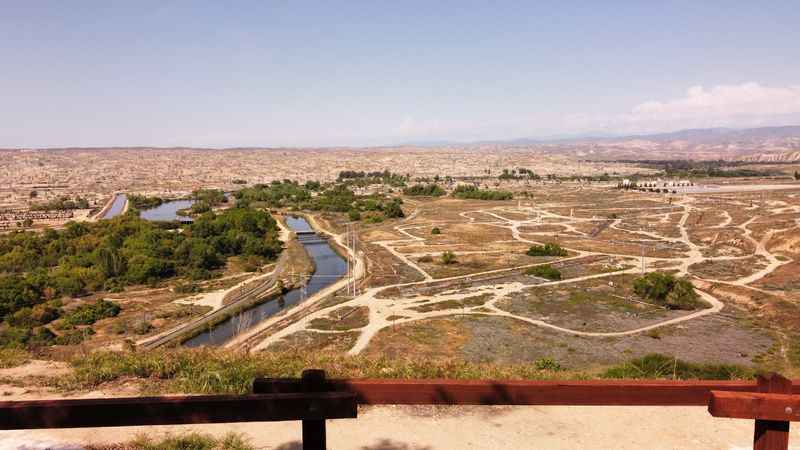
212	371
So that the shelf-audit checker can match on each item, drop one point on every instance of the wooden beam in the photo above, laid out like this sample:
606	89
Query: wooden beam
482	392
112	412
772	434
755	405
314	433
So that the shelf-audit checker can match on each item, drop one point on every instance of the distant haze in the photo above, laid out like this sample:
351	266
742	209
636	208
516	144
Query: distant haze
269	74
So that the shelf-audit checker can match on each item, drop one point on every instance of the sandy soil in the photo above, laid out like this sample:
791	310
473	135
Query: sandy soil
446	428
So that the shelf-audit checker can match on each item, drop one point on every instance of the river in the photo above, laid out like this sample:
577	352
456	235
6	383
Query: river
329	267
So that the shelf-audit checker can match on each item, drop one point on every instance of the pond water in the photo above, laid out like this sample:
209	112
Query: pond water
166	211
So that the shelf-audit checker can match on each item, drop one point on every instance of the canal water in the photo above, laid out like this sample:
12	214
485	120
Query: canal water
329	267
166	211
116	207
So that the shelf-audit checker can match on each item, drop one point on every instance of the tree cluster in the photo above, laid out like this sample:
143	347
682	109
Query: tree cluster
548	249
429	190
472	192
36	269
666	290
62	204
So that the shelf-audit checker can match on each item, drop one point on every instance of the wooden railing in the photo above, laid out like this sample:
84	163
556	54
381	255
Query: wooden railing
772	402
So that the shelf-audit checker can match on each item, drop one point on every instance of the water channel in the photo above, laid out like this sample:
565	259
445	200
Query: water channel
116	206
329	267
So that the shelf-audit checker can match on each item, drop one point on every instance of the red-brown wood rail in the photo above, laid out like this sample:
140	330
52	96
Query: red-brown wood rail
754	405
313	399
482	392
773	407
114	412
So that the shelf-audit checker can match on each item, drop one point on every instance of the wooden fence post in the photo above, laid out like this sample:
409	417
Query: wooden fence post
313	380
772	434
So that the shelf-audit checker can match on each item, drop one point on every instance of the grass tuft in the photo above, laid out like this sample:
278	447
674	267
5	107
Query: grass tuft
188	441
13	357
658	366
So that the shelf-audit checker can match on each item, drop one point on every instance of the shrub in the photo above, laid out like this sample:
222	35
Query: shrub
548	249
188	441
13	357
185	288
666	290
91	312
74	337
547	364
448	257
436	230
656	365
354	215
142	327
544	271
393	210
794	351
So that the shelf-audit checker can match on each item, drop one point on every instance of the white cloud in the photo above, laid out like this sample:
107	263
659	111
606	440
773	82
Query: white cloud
737	105
724	101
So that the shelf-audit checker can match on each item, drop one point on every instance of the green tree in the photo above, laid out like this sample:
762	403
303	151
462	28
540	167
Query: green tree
393	210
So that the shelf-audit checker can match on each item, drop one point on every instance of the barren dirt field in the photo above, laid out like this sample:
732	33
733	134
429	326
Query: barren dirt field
480	304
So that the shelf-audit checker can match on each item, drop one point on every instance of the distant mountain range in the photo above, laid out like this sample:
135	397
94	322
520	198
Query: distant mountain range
755	144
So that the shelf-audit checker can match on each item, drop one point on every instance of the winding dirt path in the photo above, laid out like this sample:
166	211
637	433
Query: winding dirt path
401	309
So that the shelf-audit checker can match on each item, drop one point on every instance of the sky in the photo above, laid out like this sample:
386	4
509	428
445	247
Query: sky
353	73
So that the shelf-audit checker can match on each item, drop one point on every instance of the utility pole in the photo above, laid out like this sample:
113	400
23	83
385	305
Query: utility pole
643	263
349	261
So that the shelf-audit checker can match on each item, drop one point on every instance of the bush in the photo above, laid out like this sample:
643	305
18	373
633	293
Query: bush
436	230
141	327
547	364
188	441
186	288
354	215
665	289
544	271
393	210
13	357
656	365
548	249
74	337
90	313
449	257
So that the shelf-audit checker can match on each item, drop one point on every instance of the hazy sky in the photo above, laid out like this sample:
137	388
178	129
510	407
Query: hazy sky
220	73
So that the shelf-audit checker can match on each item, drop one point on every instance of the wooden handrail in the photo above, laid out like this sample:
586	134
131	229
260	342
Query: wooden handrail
490	392
313	399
